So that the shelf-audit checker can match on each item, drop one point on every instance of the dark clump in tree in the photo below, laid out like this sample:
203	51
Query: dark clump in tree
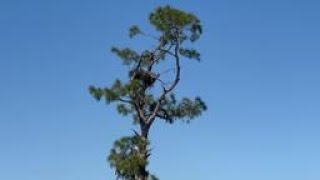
147	95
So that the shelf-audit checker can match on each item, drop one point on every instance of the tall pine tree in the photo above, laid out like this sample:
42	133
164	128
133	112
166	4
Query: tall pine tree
148	93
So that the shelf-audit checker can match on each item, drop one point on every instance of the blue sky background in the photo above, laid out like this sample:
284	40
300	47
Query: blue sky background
259	77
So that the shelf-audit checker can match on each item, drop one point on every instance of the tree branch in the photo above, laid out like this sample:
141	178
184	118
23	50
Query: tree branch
167	51
140	112
125	101
166	91
164	116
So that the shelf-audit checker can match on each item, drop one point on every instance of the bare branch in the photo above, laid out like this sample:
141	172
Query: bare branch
135	132
166	91
167	51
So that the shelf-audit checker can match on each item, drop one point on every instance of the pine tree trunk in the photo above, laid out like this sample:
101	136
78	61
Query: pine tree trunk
144	152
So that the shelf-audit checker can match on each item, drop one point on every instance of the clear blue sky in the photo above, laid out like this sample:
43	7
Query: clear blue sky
259	76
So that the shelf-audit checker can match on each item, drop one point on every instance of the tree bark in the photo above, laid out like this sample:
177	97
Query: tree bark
144	174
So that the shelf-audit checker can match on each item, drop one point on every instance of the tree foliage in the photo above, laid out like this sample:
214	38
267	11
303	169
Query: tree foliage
137	96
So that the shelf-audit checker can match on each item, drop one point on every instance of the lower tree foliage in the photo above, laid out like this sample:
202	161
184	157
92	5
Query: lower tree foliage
147	96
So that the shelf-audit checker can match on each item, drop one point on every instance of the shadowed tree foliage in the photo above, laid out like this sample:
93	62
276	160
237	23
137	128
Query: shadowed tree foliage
148	95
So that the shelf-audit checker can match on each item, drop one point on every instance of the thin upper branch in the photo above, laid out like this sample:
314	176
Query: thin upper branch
167	51
149	35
